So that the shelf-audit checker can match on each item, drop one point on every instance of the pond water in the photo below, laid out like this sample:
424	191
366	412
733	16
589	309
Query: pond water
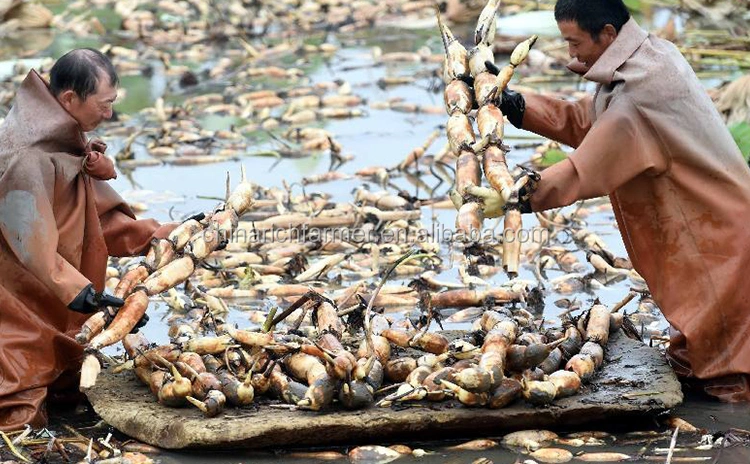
382	137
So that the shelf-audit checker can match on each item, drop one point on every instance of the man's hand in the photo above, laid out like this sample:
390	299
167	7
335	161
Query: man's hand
198	217
143	321
512	104
89	301
491	200
526	183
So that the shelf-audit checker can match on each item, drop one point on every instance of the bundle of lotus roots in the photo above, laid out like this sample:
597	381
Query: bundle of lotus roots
169	262
471	83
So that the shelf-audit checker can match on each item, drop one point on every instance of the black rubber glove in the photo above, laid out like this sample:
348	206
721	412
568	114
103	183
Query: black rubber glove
198	217
512	104
143	321
89	301
525	192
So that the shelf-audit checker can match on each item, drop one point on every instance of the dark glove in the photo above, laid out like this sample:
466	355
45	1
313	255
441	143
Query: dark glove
525	192
143	321
512	104
88	301
222	244
198	217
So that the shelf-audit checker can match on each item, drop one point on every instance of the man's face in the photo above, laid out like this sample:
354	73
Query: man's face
95	108
582	46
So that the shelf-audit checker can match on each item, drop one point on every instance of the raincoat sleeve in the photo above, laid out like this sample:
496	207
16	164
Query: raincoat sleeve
123	233
28	226
620	146
562	121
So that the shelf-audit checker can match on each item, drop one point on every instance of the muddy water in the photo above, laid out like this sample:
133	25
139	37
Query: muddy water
383	137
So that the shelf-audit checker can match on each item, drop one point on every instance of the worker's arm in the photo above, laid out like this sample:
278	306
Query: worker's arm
123	233
29	229
619	147
563	121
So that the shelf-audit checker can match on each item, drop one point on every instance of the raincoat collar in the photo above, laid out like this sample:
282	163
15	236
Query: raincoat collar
629	39
43	121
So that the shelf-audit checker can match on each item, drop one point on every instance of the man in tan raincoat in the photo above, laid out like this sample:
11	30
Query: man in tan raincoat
59	221
651	139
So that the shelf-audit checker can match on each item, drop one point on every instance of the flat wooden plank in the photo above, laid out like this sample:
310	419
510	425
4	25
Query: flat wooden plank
631	369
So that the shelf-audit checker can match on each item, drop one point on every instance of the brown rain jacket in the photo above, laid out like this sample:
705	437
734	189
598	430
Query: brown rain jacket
58	224
652	140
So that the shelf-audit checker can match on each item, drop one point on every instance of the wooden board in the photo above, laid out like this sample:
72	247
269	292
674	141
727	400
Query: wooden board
635	381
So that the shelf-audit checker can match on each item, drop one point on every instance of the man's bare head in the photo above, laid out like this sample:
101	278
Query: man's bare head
84	81
590	26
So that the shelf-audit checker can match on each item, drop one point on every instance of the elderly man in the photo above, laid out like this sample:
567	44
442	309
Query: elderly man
59	221
651	139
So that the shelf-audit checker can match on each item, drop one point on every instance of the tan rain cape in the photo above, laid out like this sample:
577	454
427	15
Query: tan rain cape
652	140
58	223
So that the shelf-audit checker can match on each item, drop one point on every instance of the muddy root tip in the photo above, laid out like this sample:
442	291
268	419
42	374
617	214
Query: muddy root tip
197	403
